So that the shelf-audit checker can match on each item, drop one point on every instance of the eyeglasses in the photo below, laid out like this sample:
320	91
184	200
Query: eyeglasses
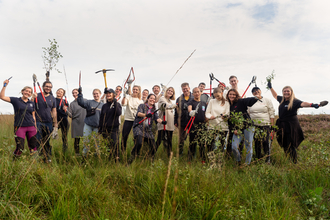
48	87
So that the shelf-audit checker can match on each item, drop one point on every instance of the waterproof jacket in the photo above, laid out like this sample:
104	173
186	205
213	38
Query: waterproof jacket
181	111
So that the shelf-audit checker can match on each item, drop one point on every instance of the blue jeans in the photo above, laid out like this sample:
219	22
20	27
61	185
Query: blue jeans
88	130
43	136
248	136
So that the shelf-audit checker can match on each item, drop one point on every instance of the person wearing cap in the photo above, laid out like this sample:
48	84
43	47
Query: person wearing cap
289	134
109	122
262	113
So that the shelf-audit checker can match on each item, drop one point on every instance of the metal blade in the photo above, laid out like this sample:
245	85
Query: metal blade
323	103
34	77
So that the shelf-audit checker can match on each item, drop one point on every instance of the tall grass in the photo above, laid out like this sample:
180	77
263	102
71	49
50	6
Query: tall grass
103	189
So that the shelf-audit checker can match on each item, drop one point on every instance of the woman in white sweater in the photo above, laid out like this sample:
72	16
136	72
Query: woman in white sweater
132	102
217	110
262	113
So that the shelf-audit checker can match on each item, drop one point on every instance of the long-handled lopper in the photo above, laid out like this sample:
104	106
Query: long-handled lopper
163	106
34	76
254	78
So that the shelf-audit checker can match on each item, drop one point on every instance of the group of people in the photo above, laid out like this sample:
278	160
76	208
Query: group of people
226	120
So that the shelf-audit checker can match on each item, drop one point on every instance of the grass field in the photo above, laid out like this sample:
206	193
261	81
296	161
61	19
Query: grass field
163	189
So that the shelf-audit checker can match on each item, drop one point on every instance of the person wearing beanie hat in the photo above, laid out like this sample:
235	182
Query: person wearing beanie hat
262	113
109	123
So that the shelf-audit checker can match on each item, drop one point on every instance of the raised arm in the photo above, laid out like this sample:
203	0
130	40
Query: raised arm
2	93
269	84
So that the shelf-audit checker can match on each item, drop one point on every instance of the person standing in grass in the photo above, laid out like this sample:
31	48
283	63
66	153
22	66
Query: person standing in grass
197	128
289	134
132	102
46	116
217	111
167	134
62	117
24	119
262	113
240	126
109	123
143	131
181	116
93	108
78	115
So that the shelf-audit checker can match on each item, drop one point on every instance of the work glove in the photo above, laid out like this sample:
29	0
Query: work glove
80	90
149	115
105	90
192	113
164	122
315	105
129	82
269	85
55	132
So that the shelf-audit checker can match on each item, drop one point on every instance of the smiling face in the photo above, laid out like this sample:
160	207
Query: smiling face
287	93
75	94
257	92
145	94
109	96
59	93
151	100
26	93
233	82
201	87
136	91
118	90
169	93
186	90
47	88
196	94
232	96
96	95
156	90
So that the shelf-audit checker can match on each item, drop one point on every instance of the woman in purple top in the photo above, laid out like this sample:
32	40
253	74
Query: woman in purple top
25	121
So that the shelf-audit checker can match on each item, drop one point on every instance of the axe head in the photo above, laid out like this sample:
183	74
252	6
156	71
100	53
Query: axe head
34	77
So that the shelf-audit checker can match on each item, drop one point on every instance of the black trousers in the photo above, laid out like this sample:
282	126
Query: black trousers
166	137
262	142
182	137
289	147
112	137
139	140
64	126
127	127
76	145
196	138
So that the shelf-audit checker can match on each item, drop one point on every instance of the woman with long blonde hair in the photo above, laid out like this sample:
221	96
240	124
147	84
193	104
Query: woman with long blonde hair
290	134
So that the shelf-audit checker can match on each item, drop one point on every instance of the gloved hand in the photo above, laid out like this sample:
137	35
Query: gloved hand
149	115
164	122
55	132
80	90
129	82
269	85
315	105
105	90
192	113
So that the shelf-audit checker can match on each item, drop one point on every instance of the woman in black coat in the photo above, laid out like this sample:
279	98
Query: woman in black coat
290	134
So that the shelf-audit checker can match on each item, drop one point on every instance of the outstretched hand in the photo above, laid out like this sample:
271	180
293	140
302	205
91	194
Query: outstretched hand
269	85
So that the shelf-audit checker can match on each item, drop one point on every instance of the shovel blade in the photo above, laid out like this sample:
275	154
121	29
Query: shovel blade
323	103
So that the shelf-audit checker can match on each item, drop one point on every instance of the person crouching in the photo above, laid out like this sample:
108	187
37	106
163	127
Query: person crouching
109	123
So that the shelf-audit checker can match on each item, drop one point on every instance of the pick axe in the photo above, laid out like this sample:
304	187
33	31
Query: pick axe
35	80
104	75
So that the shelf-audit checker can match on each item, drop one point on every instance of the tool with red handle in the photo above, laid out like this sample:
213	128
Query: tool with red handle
35	90
163	106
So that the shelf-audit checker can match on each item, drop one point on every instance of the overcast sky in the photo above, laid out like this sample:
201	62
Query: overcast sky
242	38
